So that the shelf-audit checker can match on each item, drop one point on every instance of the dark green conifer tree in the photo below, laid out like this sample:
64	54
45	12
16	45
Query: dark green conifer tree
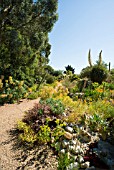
24	43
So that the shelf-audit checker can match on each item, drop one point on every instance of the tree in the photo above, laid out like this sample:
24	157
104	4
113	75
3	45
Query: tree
52	75
24	28
69	68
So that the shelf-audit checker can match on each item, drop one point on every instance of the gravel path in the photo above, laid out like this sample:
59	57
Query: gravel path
12	158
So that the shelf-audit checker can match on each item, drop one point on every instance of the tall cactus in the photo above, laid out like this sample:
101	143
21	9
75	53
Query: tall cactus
100	58
109	66
89	58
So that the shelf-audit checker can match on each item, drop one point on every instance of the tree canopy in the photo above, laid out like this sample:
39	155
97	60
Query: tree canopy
24	43
69	68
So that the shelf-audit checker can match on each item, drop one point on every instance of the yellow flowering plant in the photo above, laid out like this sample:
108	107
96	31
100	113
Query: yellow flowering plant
12	90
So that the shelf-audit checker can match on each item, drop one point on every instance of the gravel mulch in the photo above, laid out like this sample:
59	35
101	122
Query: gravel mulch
13	157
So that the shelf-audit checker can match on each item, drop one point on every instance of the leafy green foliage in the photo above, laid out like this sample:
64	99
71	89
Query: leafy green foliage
34	116
68	69
58	131
44	134
98	74
24	39
112	75
41	125
64	161
27	134
85	72
33	95
46	123
12	90
95	122
50	79
52	74
56	106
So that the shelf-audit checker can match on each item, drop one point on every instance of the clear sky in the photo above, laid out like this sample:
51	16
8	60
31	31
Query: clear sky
82	25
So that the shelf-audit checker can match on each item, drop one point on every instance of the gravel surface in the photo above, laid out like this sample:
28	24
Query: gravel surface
13	157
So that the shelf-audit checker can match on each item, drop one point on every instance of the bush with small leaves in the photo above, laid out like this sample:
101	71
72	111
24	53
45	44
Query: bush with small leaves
98	74
56	106
12	90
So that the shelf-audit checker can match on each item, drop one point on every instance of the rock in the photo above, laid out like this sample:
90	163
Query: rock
71	148
73	157
69	129
52	140
65	143
106	153
110	163
69	155
85	165
73	166
62	151
64	114
68	135
73	142
78	148
86	138
74	135
95	138
84	135
80	159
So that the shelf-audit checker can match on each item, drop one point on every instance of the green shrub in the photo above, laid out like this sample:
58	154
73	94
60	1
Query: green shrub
56	106
33	95
12	90
46	92
50	79
34	116
43	134
64	161
26	133
85	72
98	74
111	86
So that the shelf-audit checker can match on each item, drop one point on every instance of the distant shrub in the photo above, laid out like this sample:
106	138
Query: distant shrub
46	92
50	79
98	74
53	91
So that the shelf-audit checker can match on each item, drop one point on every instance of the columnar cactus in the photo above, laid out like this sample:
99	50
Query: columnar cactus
100	57
89	58
109	66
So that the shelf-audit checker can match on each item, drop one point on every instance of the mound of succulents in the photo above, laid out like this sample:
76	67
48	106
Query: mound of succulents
77	144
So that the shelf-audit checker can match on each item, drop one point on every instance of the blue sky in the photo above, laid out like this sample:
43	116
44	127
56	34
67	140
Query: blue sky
82	25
